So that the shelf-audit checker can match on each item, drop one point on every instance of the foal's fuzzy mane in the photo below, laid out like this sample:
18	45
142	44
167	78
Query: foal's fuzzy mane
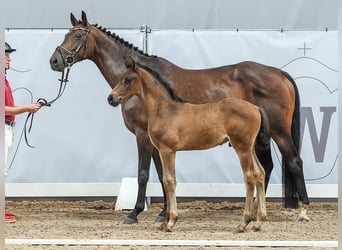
121	40
162	82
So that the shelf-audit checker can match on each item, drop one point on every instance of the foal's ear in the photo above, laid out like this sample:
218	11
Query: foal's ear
73	19
129	62
84	18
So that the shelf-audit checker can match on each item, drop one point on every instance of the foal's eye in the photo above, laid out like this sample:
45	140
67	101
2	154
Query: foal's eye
128	80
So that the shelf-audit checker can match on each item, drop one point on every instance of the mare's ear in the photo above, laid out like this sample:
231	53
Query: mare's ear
73	19
129	62
84	18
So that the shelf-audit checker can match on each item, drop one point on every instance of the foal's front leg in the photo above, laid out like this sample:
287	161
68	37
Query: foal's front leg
169	181
159	168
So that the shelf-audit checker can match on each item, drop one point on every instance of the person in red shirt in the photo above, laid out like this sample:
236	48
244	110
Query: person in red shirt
10	111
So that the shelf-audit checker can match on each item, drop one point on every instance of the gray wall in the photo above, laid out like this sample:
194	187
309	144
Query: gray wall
176	14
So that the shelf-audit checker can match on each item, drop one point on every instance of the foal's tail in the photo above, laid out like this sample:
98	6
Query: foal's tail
263	137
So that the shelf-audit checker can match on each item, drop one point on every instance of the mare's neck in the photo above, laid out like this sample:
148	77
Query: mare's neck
108	56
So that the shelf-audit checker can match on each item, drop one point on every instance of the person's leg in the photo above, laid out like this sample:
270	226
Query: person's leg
8	145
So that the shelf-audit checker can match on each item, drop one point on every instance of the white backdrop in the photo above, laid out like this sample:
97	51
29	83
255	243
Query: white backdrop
82	139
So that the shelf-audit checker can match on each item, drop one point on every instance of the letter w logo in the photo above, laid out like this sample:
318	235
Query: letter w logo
319	144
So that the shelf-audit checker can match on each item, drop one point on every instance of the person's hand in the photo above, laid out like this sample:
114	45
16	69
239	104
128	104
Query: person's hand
33	107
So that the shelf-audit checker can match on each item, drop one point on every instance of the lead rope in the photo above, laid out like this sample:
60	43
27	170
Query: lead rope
44	103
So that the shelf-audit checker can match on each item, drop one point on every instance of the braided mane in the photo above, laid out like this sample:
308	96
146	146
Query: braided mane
122	41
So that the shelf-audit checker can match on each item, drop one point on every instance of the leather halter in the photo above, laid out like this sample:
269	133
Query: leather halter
69	55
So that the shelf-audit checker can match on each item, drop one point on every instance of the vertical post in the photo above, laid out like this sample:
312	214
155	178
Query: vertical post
146	30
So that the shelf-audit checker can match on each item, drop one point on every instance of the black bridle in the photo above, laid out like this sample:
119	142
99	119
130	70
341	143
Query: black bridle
68	57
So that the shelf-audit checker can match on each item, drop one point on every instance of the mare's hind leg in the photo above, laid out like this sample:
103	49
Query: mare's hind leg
145	149
265	159
294	165
158	165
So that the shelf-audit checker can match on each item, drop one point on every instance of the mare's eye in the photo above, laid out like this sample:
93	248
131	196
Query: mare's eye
128	79
78	35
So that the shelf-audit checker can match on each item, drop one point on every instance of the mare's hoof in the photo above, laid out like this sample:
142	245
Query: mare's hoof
303	218
130	221
160	218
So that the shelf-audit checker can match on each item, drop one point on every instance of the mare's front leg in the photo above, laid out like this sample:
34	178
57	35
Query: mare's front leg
145	149
159	168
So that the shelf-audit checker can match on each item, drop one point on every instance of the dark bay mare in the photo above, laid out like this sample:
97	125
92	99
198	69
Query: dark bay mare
267	87
175	125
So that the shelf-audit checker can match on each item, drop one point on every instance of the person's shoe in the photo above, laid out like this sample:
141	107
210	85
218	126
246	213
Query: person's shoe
10	217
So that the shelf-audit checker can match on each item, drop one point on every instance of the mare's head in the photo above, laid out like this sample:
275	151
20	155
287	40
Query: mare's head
128	85
76	46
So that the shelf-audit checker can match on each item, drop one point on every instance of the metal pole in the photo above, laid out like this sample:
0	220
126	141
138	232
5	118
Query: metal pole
145	29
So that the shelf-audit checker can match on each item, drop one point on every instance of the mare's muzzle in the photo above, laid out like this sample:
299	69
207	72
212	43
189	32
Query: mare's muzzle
57	62
113	100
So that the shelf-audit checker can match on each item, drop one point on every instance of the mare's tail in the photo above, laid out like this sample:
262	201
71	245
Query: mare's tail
263	137
289	188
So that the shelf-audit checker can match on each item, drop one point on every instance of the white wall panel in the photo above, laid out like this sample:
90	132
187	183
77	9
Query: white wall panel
82	139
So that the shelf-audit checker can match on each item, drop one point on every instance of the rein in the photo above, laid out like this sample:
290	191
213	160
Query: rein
43	102
68	57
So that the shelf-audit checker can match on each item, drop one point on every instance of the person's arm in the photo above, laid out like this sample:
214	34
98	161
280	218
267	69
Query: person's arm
16	110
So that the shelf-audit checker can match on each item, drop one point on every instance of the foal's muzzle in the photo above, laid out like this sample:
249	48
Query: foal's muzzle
113	100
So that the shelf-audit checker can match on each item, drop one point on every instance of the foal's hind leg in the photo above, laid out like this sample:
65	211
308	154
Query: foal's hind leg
260	194
250	182
265	160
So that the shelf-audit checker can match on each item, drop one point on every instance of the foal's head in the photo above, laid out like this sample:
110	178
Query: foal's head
128	85
133	80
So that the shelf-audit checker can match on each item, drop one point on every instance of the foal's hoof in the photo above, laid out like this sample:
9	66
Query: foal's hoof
160	218
164	227
256	228
239	229
130	221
